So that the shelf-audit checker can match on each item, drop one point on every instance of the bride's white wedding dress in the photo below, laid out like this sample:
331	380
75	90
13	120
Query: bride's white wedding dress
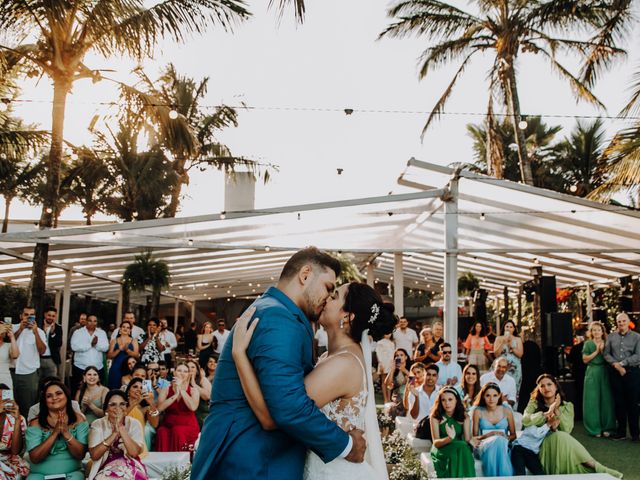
355	412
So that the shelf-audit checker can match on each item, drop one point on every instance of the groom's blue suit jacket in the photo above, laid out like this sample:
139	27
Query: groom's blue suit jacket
233	445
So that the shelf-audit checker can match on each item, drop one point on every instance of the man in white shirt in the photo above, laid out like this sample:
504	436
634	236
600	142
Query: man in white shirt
405	337
450	372
136	331
221	335
88	343
168	340
31	342
321	341
426	394
506	382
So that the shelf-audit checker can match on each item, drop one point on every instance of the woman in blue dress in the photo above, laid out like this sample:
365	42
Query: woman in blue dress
509	345
493	429
121	348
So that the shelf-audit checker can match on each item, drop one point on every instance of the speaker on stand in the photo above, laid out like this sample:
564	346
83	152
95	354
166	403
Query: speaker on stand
548	304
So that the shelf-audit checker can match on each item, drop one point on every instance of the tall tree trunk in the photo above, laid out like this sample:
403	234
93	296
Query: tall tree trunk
5	222
494	152
37	287
155	306
183	179
513	106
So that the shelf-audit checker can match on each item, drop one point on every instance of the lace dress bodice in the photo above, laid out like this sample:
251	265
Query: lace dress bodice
348	413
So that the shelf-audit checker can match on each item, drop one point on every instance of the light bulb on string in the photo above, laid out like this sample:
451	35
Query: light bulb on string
173	114
522	125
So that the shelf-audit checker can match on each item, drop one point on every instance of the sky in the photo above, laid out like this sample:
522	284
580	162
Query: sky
300	78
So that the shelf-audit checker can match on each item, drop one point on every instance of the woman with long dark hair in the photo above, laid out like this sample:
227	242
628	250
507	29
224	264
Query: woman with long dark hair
560	453
469	385
57	439
476	347
509	346
91	395
451	433
121	348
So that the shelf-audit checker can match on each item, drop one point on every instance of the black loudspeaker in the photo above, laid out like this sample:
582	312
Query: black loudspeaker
559	329
464	325
625	303
600	315
548	302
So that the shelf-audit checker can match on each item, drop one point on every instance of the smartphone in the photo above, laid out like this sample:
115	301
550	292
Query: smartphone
412	381
31	319
398	361
7	395
8	320
147	386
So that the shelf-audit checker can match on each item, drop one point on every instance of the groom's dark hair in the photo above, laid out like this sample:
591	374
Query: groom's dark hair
309	255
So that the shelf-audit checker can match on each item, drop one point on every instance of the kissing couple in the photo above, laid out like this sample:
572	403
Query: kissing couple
273	415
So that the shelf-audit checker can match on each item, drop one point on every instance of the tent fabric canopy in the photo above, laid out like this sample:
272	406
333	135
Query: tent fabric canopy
504	228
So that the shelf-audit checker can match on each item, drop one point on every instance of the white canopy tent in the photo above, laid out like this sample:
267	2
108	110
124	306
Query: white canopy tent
450	220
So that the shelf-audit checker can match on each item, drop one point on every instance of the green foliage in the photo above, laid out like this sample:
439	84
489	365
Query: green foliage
406	464
467	283
145	272
177	473
349	271
13	300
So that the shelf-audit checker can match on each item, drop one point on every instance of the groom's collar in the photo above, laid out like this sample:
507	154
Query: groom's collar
290	305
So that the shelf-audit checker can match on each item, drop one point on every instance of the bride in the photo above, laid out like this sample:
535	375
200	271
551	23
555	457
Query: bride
341	384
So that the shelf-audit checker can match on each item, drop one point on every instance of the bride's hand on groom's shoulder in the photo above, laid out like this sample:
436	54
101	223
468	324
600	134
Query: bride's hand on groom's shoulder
242	331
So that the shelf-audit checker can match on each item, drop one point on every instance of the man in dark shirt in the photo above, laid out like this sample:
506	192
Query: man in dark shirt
191	338
622	352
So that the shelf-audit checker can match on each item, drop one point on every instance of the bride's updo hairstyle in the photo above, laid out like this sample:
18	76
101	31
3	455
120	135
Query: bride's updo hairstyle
369	312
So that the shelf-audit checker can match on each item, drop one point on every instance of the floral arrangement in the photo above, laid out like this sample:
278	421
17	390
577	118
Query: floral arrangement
177	473
402	461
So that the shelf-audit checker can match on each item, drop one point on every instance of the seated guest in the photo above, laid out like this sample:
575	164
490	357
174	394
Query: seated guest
127	371
13	427
197	379
399	373
425	394
416	379
179	428
157	382
165	374
427	351
493	429
450	433
91	395
116	442
449	373
500	376
34	411
469	386
142	407
57	439
560	453
212	364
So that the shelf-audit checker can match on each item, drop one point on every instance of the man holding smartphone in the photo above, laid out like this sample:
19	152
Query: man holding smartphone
31	344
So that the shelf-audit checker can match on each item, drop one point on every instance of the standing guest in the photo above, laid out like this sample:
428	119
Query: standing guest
493	429
151	345
599	417
115	443
438	331
404	337
469	385
81	322
164	374
180	339
50	359
13	427
91	395
142	407
135	331
450	372
88	343
9	351
206	344
424	396
399	374
384	352
506	382
622	353
179	428
509	346
169	342
476	347
110	329
416	380
31	342
121	348
320	341
560	453
451	432
57	439
198	379
191	338
221	335
427	351
212	364
491	336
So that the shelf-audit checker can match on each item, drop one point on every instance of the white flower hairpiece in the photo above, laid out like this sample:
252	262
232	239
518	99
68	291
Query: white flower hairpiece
375	310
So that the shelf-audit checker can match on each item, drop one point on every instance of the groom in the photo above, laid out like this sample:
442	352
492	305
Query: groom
233	445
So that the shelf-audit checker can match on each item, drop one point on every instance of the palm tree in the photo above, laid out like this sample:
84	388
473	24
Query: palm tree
185	95
92	183
298	5
64	32
145	272
16	178
507	28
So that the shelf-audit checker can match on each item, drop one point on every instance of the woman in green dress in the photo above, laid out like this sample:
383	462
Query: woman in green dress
560	453
57	439
451	433
598	417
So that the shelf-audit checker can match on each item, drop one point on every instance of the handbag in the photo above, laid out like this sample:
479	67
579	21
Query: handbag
423	429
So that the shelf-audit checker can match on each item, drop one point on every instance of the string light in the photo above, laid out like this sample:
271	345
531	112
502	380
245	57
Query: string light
173	114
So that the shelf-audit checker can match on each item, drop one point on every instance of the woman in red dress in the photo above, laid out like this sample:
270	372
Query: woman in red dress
179	429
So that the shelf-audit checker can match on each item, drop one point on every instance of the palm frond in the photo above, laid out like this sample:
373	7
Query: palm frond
282	5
